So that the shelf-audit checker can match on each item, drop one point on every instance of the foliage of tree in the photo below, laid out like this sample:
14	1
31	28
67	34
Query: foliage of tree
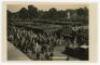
9	14
33	11
82	11
23	13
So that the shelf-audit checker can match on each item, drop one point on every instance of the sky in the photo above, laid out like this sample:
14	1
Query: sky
14	7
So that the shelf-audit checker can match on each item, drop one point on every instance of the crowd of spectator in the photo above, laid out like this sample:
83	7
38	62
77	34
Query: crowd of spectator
39	45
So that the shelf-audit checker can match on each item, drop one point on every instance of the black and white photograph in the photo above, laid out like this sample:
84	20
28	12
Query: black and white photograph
48	31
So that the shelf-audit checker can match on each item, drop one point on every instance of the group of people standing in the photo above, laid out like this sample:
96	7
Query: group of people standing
38	45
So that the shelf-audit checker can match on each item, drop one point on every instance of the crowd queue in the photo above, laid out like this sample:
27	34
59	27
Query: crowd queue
39	45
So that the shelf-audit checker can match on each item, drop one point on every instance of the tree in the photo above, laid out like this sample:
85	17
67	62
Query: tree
33	11
9	14
86	11
23	13
82	11
83	14
52	13
61	14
